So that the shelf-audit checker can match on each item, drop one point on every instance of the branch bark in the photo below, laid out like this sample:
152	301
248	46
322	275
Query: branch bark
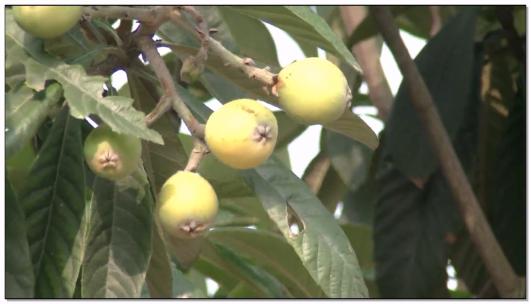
503	276
367	52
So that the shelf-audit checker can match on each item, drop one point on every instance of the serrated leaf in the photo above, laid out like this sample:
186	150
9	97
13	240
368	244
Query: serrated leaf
119	243
321	244
303	23
19	278
351	125
53	202
446	64
82	92
25	112
271	252
251	37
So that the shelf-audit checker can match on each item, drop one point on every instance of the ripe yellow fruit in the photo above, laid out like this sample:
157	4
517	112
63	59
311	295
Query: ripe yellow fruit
187	205
112	155
313	91
242	134
47	21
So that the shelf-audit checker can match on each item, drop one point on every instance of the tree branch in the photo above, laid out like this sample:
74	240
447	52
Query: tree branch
503	276
367	52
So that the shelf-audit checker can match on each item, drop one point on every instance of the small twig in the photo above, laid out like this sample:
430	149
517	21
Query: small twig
262	75
503	276
163	106
195	65
121	12
367	53
316	171
147	45
199	150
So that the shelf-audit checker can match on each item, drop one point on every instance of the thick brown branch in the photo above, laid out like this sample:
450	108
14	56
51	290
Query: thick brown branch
503	276
367	52
143	14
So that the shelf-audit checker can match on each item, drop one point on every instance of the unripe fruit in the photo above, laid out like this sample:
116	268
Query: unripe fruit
112	155
187	205
47	21
313	91
242	134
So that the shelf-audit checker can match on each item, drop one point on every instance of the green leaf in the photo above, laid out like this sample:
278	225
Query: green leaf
271	252
301	22
288	129
350	159
226	181
446	64
160	161
189	285
251	37
259	279
25	112
159	279
54	204
119	242
82	92
19	278
354	127
321	244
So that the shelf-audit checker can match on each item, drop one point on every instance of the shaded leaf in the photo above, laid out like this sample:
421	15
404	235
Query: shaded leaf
271	252
25	112
446	64
19	278
320	243
354	127
301	22
263	282
251	36
53	203
119	243
82	92
159	279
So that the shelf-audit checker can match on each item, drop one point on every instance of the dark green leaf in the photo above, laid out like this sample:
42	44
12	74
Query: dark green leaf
262	281
288	129
119	242
446	64
251	36
271	252
25	112
354	127
19	278
301	22
53	202
320	243
159	279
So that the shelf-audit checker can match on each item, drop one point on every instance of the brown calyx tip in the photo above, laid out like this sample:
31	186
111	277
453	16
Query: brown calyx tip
262	133
193	228
109	160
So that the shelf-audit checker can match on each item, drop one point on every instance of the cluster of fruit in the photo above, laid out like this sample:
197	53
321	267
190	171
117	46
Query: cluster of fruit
242	134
